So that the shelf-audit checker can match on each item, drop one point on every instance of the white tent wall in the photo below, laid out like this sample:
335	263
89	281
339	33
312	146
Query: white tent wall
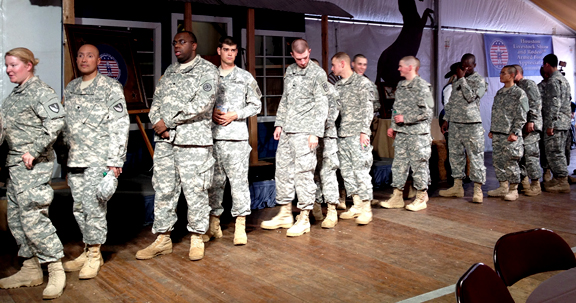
26	25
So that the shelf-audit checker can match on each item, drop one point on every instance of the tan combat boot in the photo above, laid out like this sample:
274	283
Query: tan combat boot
56	281
525	183
93	263
214	229
240	237
375	202
354	211
420	201
366	216
547	175
411	192
331	217
534	189
560	186
455	191
161	246
196	247
283	219
29	275
317	212
512	194
478	195
301	226
342	200
501	191
76	264
395	201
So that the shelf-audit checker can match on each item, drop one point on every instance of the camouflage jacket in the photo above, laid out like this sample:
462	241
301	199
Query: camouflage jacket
556	111
414	101
534	101
356	96
509	111
237	92
97	123
464	104
184	99
334	106
542	88
33	118
376	99
304	104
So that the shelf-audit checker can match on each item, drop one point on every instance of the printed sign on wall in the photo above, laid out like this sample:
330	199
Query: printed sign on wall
525	50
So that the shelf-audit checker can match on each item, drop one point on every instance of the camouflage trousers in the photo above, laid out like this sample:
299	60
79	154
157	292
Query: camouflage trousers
355	164
182	168
232	159
555	152
88	211
469	138
325	174
530	163
295	164
506	157
29	196
411	152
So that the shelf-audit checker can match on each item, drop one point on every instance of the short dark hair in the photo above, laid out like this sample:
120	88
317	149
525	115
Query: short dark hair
226	40
358	56
467	57
519	69
191	34
551	59
511	69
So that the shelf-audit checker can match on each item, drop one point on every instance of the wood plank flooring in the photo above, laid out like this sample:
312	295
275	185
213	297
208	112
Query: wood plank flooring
398	256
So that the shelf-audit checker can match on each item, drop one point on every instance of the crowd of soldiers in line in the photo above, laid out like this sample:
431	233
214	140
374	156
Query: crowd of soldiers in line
199	114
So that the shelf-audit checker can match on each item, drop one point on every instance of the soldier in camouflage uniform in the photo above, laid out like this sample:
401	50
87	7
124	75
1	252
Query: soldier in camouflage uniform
466	131
238	97
181	112
96	133
509	112
33	117
530	163
327	163
359	66
547	175
354	148
299	123
411	132
556	116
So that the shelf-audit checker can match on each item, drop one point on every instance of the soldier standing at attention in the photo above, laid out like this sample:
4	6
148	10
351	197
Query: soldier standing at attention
530	163
181	113
96	134
466	131
299	123
412	115
556	114
359	66
354	148
547	175
238	97
509	112
33	118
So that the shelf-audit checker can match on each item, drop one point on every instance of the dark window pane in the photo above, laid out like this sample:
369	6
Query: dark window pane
288	44
258	46
274	86
259	67
273	46
272	105
274	67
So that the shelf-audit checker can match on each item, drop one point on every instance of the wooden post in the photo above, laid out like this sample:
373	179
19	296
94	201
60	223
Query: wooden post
251	64
325	43
188	16
68	17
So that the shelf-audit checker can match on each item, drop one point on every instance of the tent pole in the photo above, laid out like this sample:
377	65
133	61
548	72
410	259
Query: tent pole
250	62
188	16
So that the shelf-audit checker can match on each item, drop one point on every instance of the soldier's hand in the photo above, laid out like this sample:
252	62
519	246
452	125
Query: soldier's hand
165	135
490	135
550	132
391	133
444	127
226	118
512	137
312	142
277	133
28	160
530	127
160	127
461	72
399	118
364	140
117	170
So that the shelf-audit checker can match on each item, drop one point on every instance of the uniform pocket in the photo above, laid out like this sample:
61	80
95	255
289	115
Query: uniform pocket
206	173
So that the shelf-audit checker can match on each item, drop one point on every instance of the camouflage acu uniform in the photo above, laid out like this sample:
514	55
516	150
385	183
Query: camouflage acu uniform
530	163
376	97
466	131
96	133
413	143
356	95
556	115
302	112
237	92
33	118
326	154
508	117
543	162
184	99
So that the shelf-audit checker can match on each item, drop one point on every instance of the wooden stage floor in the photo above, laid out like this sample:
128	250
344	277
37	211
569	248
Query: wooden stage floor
400	256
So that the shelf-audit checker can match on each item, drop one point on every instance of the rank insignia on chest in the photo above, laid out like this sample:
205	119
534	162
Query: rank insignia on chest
54	107
118	107
207	87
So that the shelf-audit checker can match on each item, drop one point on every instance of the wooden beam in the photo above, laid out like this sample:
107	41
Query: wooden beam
325	43
251	65
68	17
188	16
